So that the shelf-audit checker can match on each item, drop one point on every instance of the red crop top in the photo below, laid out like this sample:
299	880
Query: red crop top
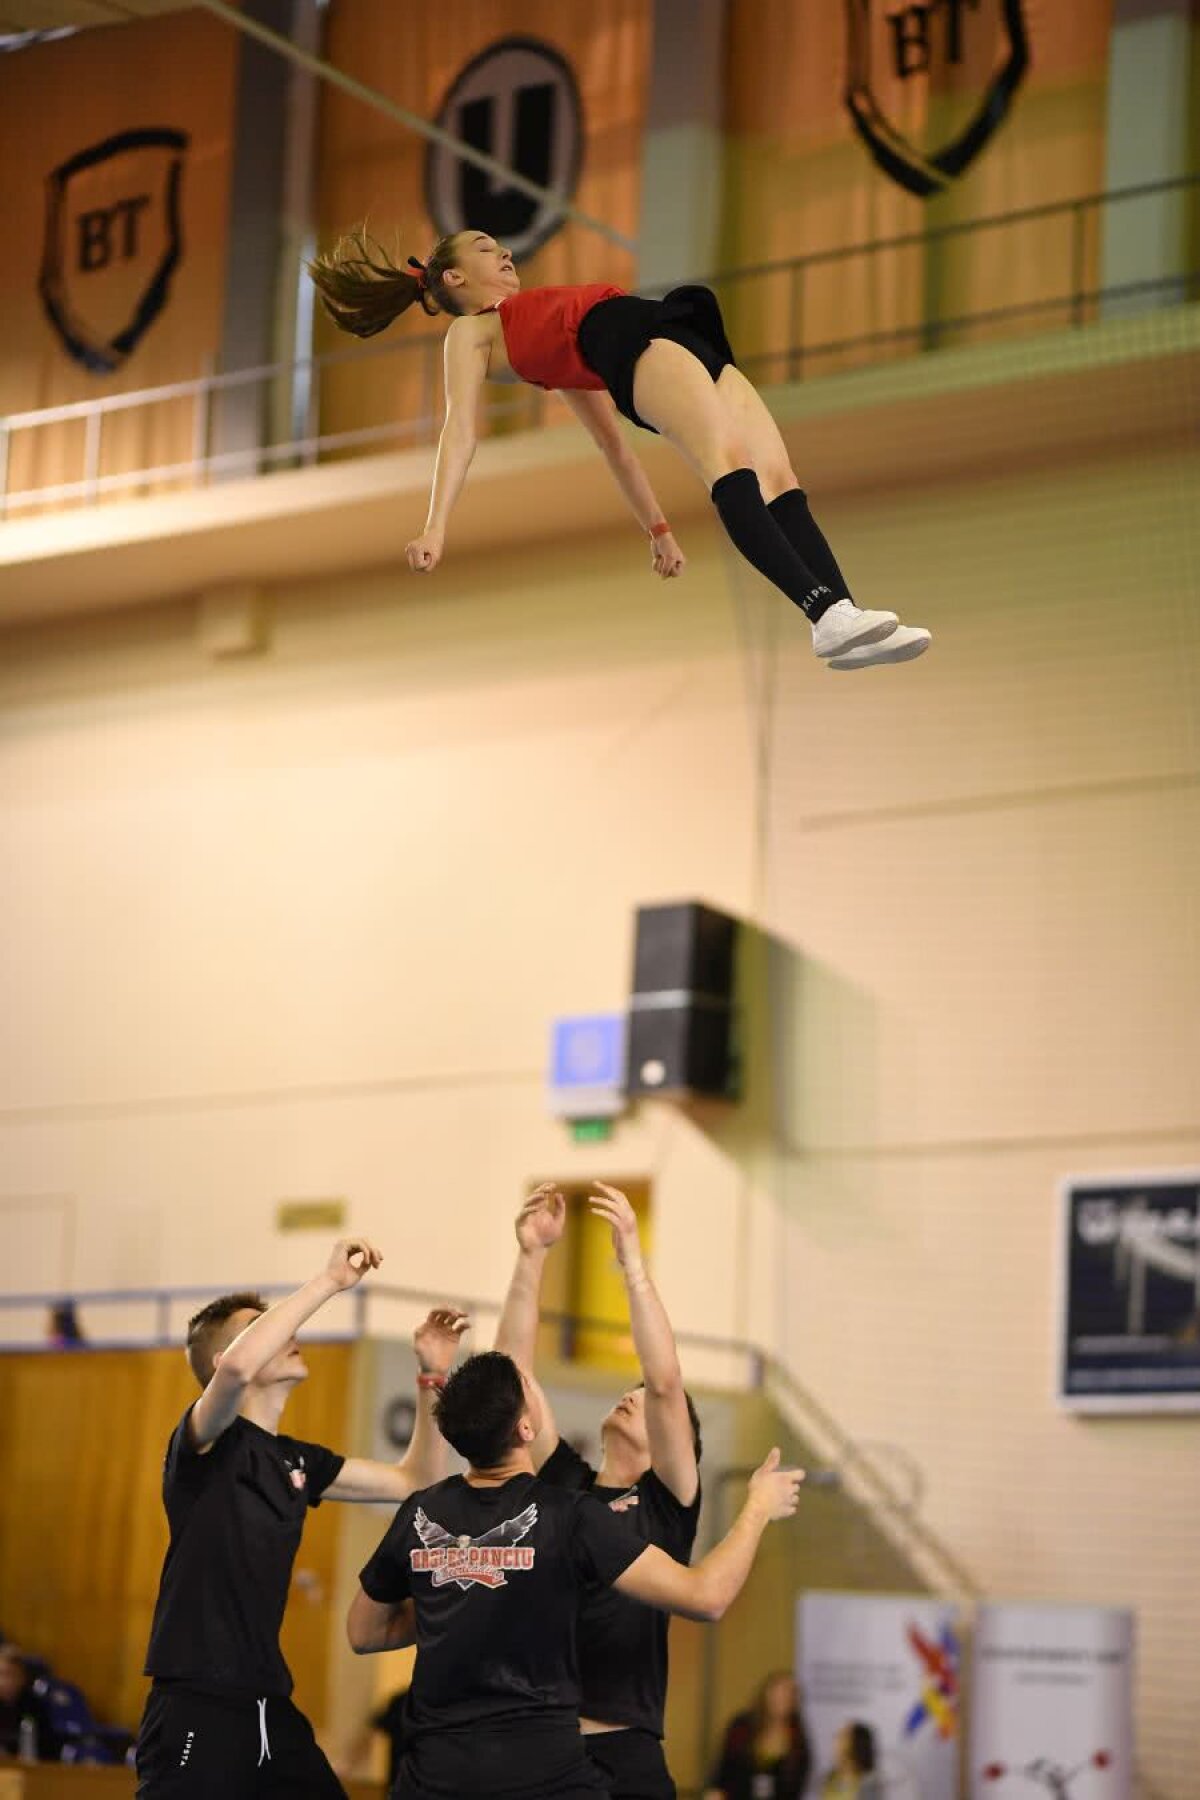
541	329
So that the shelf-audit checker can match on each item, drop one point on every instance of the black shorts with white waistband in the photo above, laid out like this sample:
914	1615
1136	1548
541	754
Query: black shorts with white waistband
198	1746
615	332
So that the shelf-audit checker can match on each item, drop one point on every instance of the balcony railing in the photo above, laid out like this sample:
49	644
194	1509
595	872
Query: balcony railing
780	313
882	1479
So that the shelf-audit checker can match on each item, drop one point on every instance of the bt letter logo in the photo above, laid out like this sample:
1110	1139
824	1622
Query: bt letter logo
112	243
898	52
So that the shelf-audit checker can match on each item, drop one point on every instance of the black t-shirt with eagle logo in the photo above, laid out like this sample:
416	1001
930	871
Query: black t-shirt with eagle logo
236	1515
623	1646
496	1575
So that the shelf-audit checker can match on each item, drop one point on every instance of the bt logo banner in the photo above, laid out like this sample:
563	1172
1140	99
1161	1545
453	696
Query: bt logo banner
112	244
899	55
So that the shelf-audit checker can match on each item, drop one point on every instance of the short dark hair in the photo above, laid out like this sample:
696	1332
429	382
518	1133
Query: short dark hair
207	1333
479	1407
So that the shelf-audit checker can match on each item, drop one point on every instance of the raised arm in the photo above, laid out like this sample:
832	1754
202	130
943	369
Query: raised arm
436	1343
465	363
668	1422
268	1334
539	1226
598	416
708	1589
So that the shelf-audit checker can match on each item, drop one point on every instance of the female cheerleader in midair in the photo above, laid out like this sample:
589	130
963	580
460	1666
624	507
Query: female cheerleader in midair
665	364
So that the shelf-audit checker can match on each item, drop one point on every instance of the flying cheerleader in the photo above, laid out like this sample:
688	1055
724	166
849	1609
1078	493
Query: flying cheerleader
665	365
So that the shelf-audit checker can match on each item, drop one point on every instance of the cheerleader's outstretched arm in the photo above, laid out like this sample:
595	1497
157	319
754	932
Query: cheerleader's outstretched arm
465	362
598	416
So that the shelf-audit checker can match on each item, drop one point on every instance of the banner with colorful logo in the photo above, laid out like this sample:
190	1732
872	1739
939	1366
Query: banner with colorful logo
1052	1703
880	1678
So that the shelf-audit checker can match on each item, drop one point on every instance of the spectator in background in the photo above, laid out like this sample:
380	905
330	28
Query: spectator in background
392	1721
21	1705
63	1330
765	1755
853	1776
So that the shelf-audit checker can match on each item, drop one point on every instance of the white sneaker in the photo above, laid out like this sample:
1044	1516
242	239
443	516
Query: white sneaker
845	626
900	645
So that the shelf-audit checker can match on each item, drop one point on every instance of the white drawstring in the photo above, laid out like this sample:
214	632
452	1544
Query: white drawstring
264	1747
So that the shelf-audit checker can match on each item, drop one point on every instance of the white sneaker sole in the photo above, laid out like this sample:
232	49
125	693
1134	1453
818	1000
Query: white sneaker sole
870	632
905	643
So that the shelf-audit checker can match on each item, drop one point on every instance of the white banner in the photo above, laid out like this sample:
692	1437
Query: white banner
887	1664
1052	1703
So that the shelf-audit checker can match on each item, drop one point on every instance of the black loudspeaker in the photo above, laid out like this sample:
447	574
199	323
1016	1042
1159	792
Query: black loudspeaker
681	1008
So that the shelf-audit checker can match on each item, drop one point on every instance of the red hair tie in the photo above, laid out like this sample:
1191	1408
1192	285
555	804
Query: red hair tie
422	277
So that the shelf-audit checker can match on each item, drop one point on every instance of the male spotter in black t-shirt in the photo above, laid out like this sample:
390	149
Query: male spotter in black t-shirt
485	1574
649	1472
219	1721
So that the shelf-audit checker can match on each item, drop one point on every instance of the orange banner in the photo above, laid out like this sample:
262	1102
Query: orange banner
116	144
559	89
870	119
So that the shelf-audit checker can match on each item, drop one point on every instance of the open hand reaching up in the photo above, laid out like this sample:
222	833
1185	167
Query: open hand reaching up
542	1219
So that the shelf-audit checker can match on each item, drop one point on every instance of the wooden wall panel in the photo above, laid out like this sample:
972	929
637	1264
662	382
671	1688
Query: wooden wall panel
82	1528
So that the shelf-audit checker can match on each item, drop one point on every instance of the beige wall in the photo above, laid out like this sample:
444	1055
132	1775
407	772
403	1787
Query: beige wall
298	926
991	878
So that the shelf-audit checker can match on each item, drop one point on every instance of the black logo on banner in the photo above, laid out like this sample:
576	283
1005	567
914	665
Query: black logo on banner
112	243
518	102
913	40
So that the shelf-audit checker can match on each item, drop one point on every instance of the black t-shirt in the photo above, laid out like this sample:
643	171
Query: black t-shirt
236	1515
622	1645
496	1575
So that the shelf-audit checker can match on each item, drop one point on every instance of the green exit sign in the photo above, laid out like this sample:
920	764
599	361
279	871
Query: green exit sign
591	1131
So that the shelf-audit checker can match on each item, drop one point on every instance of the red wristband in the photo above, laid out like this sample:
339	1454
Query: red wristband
660	528
425	1380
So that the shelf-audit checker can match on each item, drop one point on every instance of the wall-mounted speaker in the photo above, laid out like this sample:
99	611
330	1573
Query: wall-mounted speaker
681	1038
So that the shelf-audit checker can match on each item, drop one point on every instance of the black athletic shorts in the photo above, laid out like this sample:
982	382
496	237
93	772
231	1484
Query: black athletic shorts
631	1764
204	1747
615	332
516	1764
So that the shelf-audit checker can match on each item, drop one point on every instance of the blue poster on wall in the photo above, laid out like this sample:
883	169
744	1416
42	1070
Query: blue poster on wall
1129	1334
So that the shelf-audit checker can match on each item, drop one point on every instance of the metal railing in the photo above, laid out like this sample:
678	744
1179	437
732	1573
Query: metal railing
882	1479
1074	296
358	1312
771	304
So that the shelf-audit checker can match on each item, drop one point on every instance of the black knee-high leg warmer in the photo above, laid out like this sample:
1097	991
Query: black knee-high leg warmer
752	530
791	513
